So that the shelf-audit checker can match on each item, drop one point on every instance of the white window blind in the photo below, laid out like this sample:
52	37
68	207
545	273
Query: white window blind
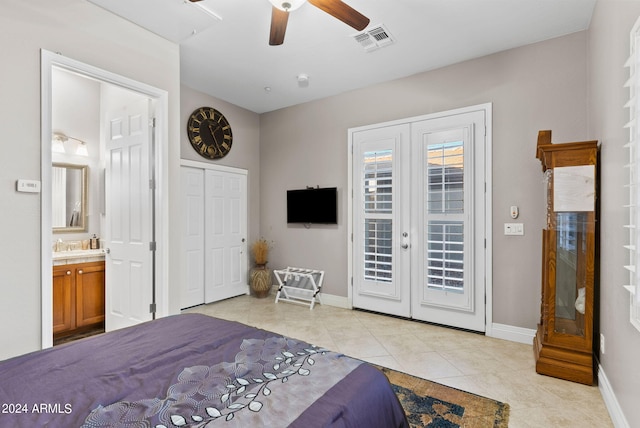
445	216
633	185
378	220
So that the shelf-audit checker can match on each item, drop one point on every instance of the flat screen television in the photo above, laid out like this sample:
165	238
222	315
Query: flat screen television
313	205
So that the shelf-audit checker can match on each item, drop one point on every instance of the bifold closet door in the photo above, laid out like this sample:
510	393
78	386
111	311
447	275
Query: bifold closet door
192	289
214	231
225	231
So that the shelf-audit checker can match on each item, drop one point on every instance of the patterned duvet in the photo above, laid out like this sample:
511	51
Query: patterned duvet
192	370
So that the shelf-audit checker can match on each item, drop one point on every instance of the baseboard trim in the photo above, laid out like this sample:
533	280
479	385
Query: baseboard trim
333	300
523	335
610	400
514	334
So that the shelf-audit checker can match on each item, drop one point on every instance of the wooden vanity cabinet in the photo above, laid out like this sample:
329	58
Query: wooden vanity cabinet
564	343
78	297
64	317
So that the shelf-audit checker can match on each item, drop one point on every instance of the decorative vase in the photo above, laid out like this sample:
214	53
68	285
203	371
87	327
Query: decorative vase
260	281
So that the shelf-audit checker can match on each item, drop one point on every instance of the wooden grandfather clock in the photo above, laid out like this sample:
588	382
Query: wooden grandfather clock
564	343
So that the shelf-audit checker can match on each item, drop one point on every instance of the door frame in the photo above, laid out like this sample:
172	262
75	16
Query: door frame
488	199
159	163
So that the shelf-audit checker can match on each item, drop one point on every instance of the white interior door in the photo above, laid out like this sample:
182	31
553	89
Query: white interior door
225	235
192	288
128	229
419	218
381	220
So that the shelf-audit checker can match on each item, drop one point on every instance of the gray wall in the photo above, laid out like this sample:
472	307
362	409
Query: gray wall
87	33
541	86
245	150
609	49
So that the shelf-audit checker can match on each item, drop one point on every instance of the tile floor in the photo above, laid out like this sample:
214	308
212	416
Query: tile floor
494	368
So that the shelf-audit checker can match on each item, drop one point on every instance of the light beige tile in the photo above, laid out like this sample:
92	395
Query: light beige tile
362	346
493	368
428	365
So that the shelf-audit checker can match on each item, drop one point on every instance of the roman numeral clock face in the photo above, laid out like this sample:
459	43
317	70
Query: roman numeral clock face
209	133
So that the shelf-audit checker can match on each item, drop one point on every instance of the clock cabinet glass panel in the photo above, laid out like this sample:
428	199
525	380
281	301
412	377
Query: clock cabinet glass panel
570	287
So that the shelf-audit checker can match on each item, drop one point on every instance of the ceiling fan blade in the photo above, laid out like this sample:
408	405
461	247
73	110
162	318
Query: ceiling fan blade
342	11
279	20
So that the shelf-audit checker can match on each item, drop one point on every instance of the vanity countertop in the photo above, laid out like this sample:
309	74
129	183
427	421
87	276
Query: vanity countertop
77	256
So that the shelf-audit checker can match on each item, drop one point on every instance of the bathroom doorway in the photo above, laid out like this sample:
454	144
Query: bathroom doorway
111	91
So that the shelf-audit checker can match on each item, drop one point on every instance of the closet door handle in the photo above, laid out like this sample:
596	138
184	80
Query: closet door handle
80	272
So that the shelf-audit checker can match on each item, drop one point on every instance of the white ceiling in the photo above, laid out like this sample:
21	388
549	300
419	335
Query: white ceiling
230	58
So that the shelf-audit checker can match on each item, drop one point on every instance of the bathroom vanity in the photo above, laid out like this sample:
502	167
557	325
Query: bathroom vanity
78	292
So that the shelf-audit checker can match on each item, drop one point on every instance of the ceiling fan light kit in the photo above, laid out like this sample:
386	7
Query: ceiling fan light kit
287	6
336	8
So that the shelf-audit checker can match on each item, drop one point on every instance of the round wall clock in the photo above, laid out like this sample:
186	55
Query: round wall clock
209	133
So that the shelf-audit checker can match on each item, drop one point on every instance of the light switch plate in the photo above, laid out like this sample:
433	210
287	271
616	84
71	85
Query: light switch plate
514	229
28	186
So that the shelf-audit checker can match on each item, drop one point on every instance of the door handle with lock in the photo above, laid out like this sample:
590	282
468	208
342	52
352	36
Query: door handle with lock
405	241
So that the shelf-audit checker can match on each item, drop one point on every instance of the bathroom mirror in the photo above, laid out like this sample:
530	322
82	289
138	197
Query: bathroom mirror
69	198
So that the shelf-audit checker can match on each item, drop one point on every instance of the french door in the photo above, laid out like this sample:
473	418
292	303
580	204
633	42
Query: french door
419	209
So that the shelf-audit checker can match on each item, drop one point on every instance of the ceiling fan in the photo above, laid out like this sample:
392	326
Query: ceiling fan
336	8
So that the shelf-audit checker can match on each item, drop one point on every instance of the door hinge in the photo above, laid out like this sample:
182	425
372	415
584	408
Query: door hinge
152	308
152	246
152	122
152	184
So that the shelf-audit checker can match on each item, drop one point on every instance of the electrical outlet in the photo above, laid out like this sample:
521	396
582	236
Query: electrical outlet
601	343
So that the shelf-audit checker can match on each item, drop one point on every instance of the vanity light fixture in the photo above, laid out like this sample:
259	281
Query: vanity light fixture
58	144
82	149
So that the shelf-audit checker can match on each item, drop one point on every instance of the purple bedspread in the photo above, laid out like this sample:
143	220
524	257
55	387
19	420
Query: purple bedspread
196	371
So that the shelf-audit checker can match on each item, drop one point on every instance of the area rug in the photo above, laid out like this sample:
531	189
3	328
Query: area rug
430	404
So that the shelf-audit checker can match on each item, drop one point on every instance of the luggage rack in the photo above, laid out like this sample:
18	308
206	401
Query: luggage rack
299	285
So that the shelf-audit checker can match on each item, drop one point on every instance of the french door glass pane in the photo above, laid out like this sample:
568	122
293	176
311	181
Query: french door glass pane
377	185
377	182
377	250
445	172
445	255
445	205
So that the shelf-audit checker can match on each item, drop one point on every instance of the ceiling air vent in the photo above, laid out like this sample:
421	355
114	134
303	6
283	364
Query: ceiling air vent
375	38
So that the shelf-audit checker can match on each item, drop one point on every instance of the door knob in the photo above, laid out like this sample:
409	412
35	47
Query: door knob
107	250
405	246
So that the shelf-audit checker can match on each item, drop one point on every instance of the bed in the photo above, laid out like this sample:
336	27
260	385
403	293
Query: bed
197	371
